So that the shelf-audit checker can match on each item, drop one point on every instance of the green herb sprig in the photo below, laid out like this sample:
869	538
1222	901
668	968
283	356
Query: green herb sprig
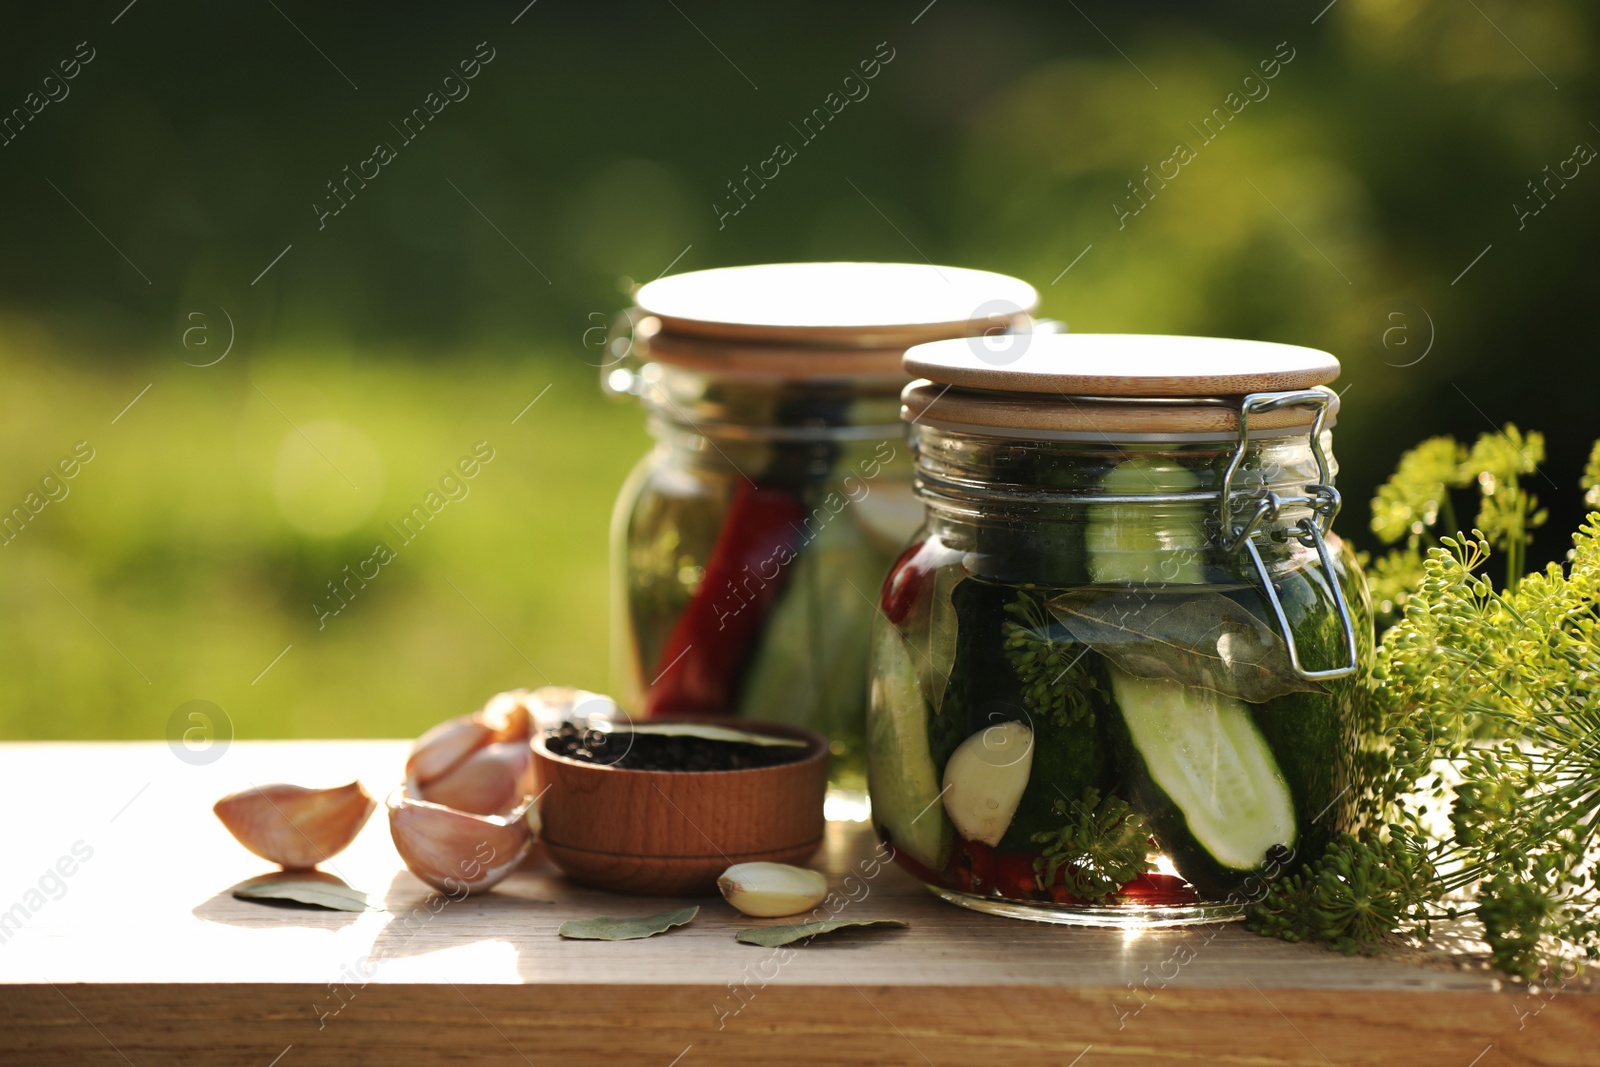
1358	893
1056	679
1488	704
1413	510
1102	847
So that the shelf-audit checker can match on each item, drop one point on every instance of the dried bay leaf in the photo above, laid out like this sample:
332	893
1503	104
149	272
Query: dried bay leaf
311	889
606	928
1204	640
774	936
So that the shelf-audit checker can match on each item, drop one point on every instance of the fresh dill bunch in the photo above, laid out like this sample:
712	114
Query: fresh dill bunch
1056	679
1392	578
1526	817
1360	892
1102	846
1505	686
1488	705
1507	513
1417	495
1591	479
1413	509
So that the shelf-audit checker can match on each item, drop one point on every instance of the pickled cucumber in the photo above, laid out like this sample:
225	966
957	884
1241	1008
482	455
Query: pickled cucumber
901	775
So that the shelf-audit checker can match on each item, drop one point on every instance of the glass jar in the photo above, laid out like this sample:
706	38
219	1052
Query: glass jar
749	544
1117	675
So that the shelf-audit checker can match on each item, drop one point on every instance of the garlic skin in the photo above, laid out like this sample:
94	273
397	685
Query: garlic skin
465	816
505	719
984	780
510	714
294	826
492	780
458	852
446	745
553	704
768	890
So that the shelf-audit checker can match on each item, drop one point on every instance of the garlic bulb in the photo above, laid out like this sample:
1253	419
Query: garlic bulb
295	826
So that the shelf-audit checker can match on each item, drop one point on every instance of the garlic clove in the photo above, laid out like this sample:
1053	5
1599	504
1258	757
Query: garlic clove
446	745
508	716
457	852
767	890
984	780
294	826
554	703
492	780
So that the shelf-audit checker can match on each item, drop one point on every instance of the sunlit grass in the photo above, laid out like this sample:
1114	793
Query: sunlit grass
188	552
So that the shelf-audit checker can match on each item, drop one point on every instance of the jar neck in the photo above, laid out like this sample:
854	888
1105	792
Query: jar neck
748	408
770	432
1167	492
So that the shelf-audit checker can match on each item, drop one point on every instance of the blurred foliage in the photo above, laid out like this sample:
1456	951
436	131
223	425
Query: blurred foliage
1340	207
173	568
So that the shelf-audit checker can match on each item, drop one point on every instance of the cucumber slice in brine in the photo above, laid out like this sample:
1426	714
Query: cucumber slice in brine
1202	749
903	781
1147	542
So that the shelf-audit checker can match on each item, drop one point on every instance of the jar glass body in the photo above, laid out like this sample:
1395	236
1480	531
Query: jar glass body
748	547
1082	708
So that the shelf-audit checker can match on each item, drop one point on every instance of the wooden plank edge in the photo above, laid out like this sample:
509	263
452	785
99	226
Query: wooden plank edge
290	1025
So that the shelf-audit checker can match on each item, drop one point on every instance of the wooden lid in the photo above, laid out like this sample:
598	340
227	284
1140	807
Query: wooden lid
845	305
811	363
1124	365
1064	417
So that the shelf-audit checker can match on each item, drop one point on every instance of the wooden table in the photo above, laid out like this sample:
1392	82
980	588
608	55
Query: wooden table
141	956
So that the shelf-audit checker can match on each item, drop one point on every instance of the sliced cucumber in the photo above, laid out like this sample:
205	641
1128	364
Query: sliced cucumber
810	666
1158	543
1202	749
1316	736
903	781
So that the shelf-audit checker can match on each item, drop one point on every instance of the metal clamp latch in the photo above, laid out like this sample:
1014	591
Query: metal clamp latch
1320	496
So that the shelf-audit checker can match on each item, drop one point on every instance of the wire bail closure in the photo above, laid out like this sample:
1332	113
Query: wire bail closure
1321	497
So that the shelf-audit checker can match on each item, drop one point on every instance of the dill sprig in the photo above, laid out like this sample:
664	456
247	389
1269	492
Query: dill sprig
1413	510
1056	679
1361	891
1591	479
1487	796
1102	846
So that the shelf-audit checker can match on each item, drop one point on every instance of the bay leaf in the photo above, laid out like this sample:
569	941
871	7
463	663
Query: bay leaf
774	936
312	889
1201	639
712	732
606	928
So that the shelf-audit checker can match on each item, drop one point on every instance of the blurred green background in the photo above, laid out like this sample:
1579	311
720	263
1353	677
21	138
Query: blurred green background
1349	207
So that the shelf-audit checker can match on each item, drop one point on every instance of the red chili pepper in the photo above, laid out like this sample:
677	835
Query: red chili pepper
705	656
915	869
1056	892
974	866
1059	895
904	584
1157	889
1015	876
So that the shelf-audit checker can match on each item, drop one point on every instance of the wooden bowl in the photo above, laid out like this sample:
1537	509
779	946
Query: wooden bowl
668	833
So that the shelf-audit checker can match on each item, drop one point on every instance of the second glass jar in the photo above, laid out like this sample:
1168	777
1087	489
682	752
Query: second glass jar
748	546
1093	699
